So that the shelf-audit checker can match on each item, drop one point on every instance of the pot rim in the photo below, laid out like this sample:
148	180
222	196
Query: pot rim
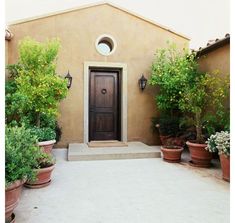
171	148
45	169
222	154
46	143
15	184
193	143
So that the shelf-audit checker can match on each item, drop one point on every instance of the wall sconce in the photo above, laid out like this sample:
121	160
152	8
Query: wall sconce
69	79
142	82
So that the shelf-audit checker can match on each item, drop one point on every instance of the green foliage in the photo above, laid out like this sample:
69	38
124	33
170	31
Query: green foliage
13	70
204	97
218	90
45	160
198	95
171	70
21	154
43	134
167	125
36	89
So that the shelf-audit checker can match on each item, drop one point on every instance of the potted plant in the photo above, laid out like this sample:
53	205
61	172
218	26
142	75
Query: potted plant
169	129
35	90
195	94
46	138
171	151
220	142
43	171
20	156
202	95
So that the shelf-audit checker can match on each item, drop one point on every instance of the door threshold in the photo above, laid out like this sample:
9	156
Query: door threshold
107	143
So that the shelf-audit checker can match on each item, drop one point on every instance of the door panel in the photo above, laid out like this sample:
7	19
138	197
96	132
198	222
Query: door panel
104	105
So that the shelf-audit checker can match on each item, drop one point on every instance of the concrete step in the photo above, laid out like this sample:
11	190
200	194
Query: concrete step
134	150
107	143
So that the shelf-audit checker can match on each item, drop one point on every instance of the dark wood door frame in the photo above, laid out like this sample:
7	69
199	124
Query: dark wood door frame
103	72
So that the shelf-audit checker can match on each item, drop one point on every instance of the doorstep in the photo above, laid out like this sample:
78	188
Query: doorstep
133	150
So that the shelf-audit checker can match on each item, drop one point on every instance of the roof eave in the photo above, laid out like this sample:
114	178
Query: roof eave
213	46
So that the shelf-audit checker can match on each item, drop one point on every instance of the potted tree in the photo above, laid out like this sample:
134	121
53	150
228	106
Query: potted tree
220	142
169	73
195	94
171	138
35	90
21	155
203	94
43	171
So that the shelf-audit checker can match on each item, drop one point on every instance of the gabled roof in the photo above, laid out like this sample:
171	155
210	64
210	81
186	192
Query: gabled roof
213	45
98	4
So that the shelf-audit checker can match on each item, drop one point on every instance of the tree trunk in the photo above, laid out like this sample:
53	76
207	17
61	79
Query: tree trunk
199	128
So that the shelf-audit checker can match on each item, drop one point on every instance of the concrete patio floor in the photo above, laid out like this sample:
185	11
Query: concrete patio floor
126	191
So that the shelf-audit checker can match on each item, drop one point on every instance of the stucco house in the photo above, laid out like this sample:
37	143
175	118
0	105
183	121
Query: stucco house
106	50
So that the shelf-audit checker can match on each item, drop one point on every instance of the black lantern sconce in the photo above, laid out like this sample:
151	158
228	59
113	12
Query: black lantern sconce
142	82
69	79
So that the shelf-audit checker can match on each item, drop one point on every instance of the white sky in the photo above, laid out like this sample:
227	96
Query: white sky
201	20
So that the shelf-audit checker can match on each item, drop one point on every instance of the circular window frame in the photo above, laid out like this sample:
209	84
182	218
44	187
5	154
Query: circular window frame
107	39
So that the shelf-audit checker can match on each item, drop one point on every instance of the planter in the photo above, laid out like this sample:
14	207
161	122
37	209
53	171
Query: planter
199	155
12	196
47	146
43	178
225	165
172	154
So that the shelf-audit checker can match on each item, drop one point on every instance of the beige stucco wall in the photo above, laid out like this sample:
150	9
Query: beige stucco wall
218	59
6	59
6	52
136	40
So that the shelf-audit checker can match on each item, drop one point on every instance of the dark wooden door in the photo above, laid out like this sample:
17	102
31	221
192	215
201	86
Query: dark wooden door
104	120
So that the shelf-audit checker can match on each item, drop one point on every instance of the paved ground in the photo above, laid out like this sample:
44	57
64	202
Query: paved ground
126	191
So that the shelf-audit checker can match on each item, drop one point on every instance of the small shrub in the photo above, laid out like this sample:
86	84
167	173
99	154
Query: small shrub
21	154
45	160
166	125
43	134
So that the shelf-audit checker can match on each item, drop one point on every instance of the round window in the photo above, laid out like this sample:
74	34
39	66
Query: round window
105	45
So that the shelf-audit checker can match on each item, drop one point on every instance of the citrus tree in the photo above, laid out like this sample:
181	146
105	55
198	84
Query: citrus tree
35	90
171	70
203	98
199	96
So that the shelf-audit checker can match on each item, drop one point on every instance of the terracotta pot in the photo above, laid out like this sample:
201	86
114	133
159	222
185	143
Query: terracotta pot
12	196
199	155
172	153
47	146
225	165
43	178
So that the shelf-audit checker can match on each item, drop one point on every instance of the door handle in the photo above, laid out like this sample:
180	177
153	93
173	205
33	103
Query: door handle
103	91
